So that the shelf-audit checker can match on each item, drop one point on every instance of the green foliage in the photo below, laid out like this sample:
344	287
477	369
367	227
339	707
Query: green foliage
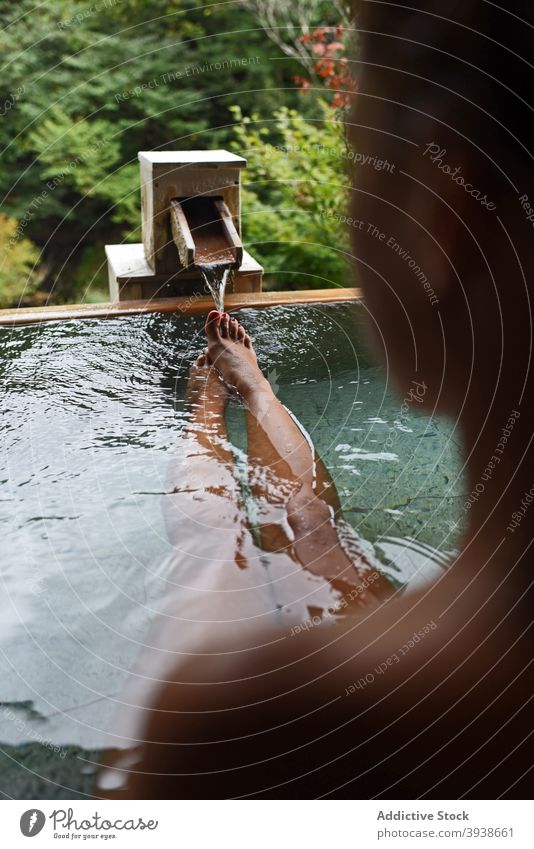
294	197
89	282
86	86
76	151
89	85
18	257
82	157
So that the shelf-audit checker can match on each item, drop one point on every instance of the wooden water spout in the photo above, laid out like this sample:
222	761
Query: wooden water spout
204	233
191	222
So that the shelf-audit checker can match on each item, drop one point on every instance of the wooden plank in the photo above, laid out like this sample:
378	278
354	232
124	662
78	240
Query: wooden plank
230	232
192	158
192	304
182	235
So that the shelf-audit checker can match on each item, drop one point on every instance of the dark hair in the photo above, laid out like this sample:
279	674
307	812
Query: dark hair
471	61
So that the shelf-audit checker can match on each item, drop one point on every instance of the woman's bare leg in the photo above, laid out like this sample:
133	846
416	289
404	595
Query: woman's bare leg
218	588
213	581
297	498
203	468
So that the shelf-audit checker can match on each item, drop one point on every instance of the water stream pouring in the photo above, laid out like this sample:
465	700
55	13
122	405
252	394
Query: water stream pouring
191	217
216	275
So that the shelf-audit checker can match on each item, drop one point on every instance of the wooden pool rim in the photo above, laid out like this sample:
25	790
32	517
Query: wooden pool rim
191	305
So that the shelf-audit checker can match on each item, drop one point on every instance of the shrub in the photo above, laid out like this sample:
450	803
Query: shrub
294	196
18	256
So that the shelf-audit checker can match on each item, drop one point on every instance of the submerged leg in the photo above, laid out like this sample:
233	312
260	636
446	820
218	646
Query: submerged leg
219	590
212	583
297	498
202	467
216	573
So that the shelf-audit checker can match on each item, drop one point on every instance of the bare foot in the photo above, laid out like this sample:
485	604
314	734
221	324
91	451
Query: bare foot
230	351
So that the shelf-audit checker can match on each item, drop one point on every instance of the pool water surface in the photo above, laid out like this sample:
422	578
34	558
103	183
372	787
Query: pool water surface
90	411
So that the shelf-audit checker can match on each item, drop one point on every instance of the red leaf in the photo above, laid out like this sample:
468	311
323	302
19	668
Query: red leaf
334	46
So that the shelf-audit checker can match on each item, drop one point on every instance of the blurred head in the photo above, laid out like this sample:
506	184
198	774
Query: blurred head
442	238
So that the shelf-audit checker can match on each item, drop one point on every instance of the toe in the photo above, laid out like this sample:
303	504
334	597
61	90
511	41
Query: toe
201	361
212	326
207	358
248	341
234	327
224	325
241	333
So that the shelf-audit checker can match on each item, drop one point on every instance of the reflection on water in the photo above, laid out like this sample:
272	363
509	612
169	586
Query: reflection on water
90	411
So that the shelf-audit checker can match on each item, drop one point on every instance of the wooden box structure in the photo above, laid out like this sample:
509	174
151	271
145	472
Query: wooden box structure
176	188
